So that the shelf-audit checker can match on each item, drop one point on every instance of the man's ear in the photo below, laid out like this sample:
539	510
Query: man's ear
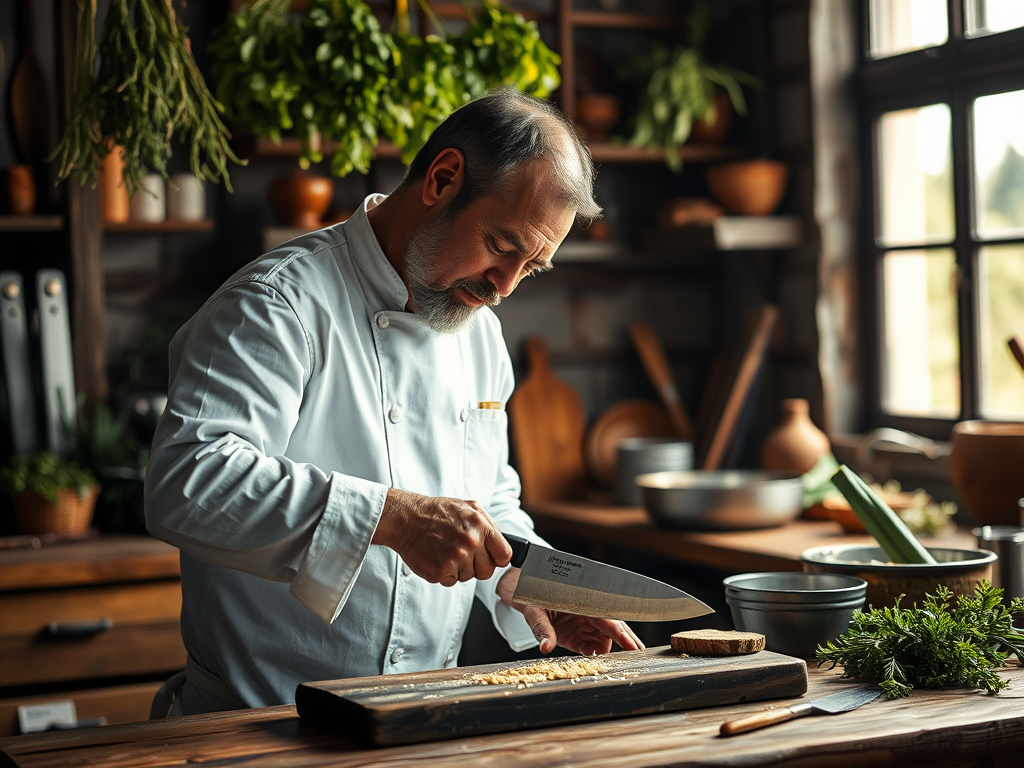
444	177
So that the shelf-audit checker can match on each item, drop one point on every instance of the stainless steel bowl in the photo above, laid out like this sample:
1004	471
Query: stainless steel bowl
721	501
796	629
786	587
643	455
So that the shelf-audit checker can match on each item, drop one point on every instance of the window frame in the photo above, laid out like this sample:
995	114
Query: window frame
956	72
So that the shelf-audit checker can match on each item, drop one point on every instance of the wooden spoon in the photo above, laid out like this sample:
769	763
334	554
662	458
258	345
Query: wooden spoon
645	339
30	104
1018	352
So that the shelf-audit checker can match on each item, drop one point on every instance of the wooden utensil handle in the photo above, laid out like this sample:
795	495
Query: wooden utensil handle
1018	353
761	719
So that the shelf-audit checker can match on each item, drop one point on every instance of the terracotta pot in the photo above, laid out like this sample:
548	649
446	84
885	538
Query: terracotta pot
598	113
114	203
70	515
704	132
20	190
300	199
986	463
795	444
750	187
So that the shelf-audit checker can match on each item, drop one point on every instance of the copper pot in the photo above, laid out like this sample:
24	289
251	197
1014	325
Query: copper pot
986	462
749	187
300	199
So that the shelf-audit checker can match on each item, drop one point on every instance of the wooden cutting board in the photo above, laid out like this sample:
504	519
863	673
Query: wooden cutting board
447	703
548	424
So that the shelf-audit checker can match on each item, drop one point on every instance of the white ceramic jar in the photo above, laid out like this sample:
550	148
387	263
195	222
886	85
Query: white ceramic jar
186	198
150	202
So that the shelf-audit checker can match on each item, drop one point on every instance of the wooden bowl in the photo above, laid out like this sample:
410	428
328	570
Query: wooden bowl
986	462
960	570
837	508
750	187
628	418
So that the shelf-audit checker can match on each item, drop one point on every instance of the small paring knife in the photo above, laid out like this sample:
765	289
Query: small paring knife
827	705
573	584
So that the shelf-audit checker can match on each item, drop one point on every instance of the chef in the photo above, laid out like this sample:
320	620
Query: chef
333	458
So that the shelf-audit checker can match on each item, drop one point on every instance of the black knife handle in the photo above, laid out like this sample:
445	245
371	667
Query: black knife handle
520	547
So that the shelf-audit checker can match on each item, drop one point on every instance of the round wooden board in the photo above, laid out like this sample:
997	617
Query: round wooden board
628	418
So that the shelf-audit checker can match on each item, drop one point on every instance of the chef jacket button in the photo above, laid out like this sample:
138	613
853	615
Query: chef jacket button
397	654
395	414
382	321
464	415
406	570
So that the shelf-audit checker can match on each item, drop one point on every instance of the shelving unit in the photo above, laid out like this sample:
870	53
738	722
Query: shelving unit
33	223
168	226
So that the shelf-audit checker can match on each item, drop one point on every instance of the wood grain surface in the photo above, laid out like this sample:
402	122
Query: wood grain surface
938	729
547	424
106	559
445	704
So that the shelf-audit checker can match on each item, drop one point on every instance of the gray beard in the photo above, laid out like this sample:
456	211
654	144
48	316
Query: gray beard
437	304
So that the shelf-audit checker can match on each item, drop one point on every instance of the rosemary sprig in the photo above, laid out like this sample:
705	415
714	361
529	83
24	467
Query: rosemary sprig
146	89
946	642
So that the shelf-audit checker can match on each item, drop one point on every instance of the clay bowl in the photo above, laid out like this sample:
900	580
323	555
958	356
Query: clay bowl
838	509
598	113
300	199
986	462
750	187
960	570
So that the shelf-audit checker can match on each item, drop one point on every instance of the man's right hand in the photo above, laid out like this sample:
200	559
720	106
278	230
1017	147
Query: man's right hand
442	540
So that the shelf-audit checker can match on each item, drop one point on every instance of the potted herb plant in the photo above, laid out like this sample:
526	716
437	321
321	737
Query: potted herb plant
682	89
51	494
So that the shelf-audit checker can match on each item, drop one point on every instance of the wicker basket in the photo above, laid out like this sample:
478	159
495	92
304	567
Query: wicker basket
70	515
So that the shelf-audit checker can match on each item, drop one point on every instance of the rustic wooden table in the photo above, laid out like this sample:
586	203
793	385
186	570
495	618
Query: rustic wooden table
940	729
769	549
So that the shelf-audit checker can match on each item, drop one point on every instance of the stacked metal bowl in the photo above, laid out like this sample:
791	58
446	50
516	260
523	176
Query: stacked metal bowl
795	611
641	455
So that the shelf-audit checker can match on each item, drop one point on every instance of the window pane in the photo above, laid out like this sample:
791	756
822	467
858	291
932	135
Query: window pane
999	163
898	26
986	17
1001	280
921	350
915	173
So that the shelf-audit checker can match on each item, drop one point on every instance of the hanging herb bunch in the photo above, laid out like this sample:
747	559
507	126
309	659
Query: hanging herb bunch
332	74
146	91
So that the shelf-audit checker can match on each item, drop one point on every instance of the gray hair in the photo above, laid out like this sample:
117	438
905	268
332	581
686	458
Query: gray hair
500	131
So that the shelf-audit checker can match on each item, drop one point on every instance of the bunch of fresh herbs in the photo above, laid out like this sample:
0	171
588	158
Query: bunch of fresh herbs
146	90
946	642
44	474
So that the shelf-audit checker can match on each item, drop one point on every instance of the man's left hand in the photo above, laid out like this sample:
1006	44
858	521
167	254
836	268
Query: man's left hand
581	634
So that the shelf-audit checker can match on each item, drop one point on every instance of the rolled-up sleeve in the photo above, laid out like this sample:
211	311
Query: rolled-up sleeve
218	484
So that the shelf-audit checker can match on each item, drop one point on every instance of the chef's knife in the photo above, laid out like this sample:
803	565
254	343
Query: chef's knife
565	582
827	705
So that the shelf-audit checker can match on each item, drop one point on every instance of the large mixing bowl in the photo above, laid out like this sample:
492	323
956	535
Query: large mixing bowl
721	501
960	570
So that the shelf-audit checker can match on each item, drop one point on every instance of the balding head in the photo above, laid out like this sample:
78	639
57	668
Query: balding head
499	133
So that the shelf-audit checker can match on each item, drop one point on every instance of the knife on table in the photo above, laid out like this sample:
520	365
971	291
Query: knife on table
843	701
574	584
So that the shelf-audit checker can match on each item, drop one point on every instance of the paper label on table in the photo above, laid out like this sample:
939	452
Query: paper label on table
33	718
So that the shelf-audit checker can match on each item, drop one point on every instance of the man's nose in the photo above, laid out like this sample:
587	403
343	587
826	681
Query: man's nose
503	278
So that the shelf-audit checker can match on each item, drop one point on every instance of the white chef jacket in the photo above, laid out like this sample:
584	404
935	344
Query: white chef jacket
299	394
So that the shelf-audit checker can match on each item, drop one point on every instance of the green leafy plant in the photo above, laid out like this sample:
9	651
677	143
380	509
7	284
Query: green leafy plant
145	91
331	74
679	89
44	474
946	642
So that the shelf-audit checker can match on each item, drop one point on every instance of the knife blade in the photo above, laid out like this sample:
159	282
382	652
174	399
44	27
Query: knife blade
843	701
566	582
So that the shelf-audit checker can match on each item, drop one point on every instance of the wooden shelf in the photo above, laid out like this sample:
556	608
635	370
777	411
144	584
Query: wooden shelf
169	226
31	223
250	147
623	21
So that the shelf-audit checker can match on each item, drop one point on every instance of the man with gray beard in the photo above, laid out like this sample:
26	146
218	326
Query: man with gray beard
333	459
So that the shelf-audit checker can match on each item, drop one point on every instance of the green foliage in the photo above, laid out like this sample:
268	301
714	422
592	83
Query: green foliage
101	441
146	90
331	74
679	90
500	48
44	474
946	642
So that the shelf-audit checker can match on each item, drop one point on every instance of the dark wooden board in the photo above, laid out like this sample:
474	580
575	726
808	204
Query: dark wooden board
445	704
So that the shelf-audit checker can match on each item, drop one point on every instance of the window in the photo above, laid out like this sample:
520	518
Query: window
942	89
